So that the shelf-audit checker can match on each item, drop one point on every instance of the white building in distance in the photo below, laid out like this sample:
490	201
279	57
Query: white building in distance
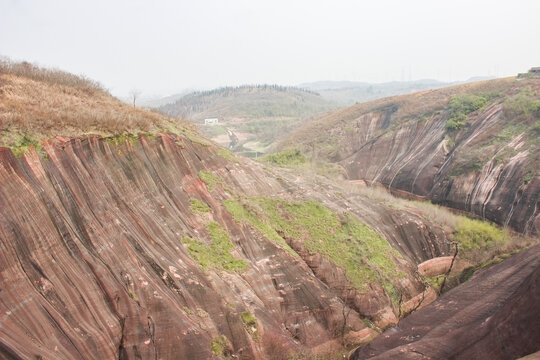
212	121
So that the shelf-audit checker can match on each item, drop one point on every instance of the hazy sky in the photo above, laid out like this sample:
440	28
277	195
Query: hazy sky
162	47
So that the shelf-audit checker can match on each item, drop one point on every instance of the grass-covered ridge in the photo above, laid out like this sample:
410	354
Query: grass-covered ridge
38	104
361	252
217	255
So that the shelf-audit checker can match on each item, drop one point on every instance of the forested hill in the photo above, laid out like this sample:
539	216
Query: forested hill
248	102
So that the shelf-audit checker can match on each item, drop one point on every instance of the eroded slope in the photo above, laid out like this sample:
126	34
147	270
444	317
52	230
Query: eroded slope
121	250
472	147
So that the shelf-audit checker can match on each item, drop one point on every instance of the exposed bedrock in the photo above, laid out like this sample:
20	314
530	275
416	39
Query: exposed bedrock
419	158
492	316
93	264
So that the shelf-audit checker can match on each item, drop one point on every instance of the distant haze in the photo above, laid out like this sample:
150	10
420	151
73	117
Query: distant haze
164	47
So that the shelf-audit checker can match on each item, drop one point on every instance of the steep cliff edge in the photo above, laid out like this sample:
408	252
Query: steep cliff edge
472	147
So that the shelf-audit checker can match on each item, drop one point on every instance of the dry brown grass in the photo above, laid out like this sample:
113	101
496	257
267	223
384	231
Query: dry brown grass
40	103
51	76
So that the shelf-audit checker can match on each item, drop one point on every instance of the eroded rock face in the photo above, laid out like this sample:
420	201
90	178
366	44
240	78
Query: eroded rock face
418	158
487	164
93	263
494	315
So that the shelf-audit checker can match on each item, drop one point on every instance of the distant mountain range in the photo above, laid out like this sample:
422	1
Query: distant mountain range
352	92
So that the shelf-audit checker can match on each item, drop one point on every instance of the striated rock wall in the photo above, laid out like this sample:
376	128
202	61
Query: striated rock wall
469	175
440	145
93	264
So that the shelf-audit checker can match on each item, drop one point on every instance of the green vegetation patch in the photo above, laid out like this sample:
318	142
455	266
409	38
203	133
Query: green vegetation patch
523	106
361	252
217	255
23	143
286	157
252	215
188	311
460	106
209	179
475	234
219	345
250	322
226	154
198	207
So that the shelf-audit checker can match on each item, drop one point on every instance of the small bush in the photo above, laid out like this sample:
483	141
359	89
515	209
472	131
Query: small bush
286	157
220	345
250	322
188	310
460	107
476	235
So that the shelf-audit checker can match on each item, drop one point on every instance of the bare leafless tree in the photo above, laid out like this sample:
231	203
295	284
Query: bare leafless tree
134	94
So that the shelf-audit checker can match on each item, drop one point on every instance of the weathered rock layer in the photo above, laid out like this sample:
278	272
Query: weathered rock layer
93	264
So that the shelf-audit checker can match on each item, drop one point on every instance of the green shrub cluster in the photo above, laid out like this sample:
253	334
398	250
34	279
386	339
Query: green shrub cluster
219	345
522	107
460	107
250	322
217	255
286	157
475	234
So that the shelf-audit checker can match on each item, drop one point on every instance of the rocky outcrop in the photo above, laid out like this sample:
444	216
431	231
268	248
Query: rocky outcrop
492	316
95	259
417	158
487	166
